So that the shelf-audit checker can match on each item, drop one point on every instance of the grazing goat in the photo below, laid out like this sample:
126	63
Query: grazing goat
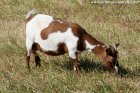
56	37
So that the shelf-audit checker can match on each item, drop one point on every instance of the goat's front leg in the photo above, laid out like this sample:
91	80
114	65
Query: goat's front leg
36	57
76	65
75	61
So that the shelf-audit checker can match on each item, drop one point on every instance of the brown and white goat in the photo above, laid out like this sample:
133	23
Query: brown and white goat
56	37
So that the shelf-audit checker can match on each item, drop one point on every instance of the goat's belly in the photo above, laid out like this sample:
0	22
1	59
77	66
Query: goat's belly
55	49
54	53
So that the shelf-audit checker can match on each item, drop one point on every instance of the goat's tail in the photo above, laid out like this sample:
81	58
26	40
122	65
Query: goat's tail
30	14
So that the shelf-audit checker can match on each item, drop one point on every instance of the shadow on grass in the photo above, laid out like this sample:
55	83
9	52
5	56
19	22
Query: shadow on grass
128	73
89	66
85	65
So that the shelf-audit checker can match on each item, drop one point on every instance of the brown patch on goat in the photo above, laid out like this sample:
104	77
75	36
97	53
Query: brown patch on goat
92	40
100	51
81	45
36	46
62	48
53	27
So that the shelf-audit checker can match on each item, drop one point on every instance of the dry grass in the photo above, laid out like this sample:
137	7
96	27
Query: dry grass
107	22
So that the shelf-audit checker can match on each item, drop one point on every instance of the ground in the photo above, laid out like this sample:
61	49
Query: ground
108	23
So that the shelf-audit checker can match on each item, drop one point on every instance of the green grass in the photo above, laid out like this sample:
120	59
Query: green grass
109	23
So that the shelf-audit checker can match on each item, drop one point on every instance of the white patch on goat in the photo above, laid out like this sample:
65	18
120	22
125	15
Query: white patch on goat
29	43
34	27
39	22
116	69
74	68
71	42
89	47
59	21
51	43
103	46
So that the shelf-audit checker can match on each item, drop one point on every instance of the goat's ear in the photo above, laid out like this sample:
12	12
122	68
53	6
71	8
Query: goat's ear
116	46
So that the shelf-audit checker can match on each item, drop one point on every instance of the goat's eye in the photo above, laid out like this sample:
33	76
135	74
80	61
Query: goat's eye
110	63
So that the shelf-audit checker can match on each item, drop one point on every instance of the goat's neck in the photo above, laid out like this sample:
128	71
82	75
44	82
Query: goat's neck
95	46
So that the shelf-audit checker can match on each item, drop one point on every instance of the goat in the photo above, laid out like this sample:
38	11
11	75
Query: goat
56	37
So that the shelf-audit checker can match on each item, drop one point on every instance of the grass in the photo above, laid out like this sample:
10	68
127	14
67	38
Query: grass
109	23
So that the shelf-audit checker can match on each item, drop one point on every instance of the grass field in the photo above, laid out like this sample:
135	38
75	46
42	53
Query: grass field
108	23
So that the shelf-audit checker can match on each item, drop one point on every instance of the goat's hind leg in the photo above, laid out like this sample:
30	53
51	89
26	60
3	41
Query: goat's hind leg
28	60
36	57
28	53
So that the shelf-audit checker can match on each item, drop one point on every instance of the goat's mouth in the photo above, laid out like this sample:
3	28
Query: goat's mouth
115	69
112	69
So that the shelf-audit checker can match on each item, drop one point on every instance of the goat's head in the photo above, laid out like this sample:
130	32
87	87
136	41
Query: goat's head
110	62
